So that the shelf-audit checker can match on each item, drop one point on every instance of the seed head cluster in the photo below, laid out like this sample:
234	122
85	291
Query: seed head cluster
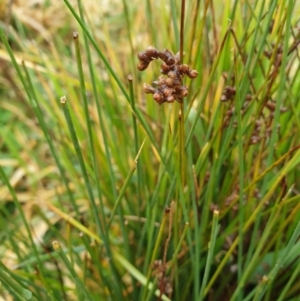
169	85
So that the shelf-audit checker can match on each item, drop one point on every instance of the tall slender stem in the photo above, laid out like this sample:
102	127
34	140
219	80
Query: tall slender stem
182	29
181	112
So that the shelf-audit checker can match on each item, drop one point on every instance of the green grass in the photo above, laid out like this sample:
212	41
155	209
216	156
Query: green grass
106	195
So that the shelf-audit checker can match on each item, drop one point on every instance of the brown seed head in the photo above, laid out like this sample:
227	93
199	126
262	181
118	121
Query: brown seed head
169	88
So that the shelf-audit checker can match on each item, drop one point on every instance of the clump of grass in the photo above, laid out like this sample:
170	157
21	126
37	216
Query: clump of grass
107	196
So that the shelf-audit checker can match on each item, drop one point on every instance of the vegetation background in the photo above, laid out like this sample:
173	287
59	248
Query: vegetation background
106	195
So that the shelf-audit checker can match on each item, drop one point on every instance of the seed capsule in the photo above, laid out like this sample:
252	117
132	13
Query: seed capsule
192	73
172	74
142	65
170	99
158	97
164	68
254	139
152	52
184	68
167	92
271	106
177	81
169	82
224	98
248	97
148	89
144	57
161	81
184	91
230	90
167	56
177	58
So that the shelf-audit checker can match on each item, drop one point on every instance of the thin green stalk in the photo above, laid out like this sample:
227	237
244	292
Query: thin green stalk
195	18
128	251
196	255
181	151
174	21
80	159
129	26
29	90
38	112
151	215
150	22
271	189
94	251
102	126
238	105
116	78
182	201
279	264
136	144
104	225
274	134
175	254
172	261
83	293
273	219
90	134
108	66
154	253
95	163
16	288
211	249
137	275
206	90
182	158
121	194
27	227
4	223
295	275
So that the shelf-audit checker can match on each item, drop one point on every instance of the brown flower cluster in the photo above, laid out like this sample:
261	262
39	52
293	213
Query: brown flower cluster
169	86
228	93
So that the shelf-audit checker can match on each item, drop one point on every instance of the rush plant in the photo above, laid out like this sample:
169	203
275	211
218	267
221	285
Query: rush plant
106	194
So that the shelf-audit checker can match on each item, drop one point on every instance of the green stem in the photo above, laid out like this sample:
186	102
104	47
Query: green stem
211	247
121	194
80	286
80	159
89	127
